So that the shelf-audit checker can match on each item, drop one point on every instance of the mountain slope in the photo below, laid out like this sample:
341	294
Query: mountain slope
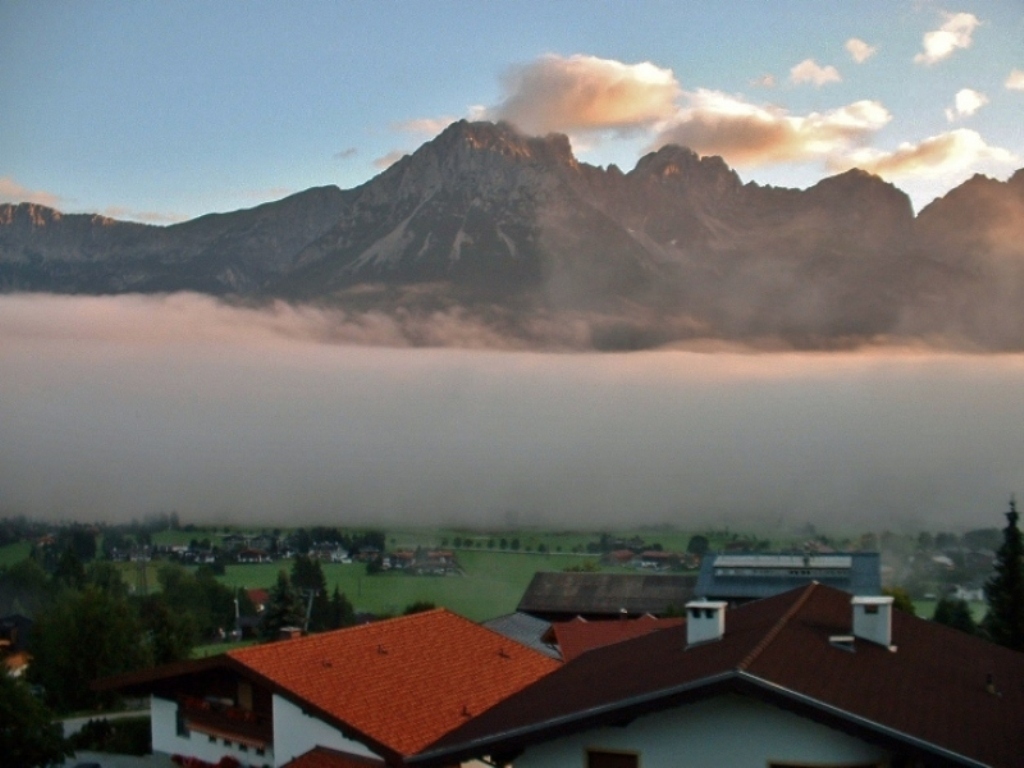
499	223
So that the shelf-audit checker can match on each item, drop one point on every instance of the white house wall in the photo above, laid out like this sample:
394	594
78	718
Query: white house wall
164	728
727	730
295	733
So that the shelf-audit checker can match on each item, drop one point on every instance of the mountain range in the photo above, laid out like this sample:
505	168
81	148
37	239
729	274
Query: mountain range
516	232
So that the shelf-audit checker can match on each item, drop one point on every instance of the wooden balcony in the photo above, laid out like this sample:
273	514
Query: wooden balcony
227	722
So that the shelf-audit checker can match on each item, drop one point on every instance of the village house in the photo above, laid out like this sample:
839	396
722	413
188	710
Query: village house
812	677
372	694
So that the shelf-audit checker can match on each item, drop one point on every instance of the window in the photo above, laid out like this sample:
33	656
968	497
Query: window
599	758
872	609
181	727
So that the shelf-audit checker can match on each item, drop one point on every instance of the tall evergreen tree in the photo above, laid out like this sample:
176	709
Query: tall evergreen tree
284	609
308	577
1004	622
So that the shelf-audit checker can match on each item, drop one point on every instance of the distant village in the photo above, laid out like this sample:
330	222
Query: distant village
812	650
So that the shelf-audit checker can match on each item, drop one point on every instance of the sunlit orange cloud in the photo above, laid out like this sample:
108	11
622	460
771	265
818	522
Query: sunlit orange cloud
584	93
1015	80
954	34
13	192
934	156
747	135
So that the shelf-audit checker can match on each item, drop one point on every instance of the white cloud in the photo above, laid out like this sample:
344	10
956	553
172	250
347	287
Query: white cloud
13	192
967	102
809	71
346	153
749	135
585	94
948	152
859	50
954	34
386	161
430	126
1015	82
764	81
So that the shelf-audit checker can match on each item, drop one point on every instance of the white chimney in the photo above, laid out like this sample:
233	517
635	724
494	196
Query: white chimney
872	619
705	621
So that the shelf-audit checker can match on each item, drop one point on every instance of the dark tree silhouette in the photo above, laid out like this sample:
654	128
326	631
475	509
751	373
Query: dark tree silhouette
1004	622
955	612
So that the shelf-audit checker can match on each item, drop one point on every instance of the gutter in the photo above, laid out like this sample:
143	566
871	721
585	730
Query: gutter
567	719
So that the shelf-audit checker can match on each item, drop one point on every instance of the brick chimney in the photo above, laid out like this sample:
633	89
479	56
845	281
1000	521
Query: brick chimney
705	621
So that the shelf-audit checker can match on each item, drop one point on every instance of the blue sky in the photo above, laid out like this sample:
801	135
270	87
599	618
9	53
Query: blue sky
164	111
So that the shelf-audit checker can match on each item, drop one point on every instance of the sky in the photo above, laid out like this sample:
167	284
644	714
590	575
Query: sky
160	112
116	407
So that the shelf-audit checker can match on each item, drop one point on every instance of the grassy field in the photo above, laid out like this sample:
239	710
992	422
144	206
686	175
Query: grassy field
12	553
492	584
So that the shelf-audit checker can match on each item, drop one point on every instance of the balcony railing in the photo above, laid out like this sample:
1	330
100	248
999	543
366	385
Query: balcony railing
228	722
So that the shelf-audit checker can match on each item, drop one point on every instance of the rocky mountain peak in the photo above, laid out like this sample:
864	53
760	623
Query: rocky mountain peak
682	167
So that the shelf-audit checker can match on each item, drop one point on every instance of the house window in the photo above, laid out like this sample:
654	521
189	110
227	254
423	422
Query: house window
212	739
180	726
599	758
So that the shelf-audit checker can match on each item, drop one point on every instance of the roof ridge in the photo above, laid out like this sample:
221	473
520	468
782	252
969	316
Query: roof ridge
776	628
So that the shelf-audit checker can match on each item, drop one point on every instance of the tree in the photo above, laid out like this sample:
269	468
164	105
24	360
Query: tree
308	576
698	545
169	635
342	614
28	735
901	600
69	572
955	612
284	609
1004	591
82	637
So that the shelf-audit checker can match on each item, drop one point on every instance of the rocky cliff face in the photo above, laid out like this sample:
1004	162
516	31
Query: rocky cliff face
483	216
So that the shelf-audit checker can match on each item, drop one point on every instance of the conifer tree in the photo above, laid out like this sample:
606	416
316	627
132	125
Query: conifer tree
284	609
1004	592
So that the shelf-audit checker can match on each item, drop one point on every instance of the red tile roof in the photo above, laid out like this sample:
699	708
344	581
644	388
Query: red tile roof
928	697
576	637
322	757
400	684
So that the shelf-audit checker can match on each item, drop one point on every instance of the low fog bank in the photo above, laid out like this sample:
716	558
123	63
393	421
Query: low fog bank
114	408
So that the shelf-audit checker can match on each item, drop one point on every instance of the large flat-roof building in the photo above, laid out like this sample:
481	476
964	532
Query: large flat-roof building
740	578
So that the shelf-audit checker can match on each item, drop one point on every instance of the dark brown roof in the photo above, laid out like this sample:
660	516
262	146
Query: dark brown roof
928	698
576	637
594	594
